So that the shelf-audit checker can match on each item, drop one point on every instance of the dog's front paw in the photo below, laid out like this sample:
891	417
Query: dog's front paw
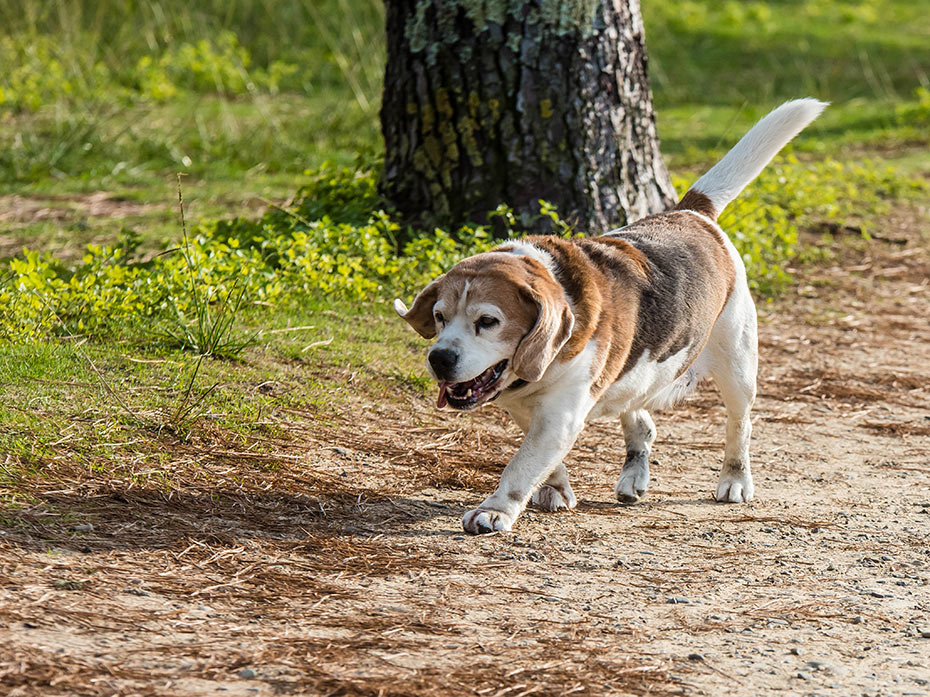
549	498
735	487
483	520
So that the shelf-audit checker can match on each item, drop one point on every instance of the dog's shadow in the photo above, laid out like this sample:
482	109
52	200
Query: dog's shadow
129	518
134	518
650	504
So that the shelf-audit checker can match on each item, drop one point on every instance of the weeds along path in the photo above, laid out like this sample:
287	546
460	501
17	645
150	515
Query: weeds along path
334	563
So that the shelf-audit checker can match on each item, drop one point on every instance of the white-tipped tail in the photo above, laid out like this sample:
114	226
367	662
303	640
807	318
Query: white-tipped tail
755	150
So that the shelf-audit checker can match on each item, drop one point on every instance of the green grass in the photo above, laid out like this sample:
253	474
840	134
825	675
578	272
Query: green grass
717	67
122	96
102	147
698	135
249	99
313	361
730	53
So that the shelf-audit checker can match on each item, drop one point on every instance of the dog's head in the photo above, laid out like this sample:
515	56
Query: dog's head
496	317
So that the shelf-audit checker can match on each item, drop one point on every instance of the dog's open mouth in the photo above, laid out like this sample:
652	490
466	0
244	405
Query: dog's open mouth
471	393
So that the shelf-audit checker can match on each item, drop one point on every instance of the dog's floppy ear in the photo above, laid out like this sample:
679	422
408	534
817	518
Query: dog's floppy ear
420	315
553	328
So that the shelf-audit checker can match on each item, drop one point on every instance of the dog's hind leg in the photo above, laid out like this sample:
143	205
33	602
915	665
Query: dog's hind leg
733	364
556	494
639	432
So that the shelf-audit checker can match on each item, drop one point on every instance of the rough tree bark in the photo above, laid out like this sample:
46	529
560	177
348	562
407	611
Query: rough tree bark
491	101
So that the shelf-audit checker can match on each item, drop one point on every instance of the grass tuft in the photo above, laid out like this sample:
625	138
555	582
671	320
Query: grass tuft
210	332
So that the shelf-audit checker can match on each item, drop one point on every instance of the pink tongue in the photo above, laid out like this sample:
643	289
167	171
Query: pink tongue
442	401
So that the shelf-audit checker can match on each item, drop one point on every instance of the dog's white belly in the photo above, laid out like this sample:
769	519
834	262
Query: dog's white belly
648	385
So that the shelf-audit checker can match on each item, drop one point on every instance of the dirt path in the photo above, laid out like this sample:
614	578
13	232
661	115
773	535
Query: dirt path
335	564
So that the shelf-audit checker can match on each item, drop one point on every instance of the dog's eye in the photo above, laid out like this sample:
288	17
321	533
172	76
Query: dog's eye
486	322
440	318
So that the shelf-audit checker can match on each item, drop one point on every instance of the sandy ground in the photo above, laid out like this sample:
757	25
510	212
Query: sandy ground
330	559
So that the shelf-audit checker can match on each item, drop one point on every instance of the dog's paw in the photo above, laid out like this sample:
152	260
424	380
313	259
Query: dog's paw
632	484
735	487
548	498
483	520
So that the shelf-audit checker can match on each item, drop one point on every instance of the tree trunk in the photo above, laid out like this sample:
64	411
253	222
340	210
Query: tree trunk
512	101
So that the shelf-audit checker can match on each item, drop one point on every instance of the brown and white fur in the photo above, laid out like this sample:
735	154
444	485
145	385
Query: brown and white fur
563	331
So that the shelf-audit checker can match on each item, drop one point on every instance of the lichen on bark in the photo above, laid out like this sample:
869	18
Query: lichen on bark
555	17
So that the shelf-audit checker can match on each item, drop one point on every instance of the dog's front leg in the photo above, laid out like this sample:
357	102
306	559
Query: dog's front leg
554	425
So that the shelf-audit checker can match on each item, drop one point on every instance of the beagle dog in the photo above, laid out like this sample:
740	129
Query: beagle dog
561	331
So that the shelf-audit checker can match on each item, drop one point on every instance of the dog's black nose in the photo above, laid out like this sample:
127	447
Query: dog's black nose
443	362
